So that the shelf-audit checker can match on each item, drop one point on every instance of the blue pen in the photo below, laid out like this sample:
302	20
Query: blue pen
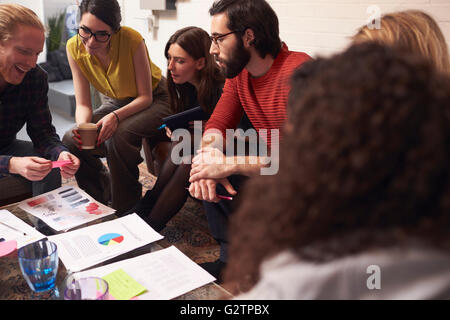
162	127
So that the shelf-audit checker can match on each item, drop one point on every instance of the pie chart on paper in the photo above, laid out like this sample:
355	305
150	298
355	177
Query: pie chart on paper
110	239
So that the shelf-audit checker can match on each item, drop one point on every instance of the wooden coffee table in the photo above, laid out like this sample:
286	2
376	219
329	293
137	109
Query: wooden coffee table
14	287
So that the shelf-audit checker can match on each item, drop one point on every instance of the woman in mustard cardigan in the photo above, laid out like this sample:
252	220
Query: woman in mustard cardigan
115	61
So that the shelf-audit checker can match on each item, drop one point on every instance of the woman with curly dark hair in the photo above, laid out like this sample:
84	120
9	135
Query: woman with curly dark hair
360	208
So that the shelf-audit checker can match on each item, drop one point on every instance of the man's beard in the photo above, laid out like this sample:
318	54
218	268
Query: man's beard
236	63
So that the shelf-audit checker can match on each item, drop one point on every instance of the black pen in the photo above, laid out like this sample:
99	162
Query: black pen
12	228
220	196
2	239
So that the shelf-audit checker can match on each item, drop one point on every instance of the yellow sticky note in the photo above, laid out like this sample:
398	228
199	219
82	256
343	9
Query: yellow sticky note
122	286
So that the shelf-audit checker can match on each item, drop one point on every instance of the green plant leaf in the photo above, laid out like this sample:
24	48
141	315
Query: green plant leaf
55	27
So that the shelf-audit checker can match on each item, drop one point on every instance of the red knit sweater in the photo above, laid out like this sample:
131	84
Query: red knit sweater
264	99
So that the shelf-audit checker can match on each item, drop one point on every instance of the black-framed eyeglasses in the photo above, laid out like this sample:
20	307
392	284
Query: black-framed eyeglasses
215	39
100	36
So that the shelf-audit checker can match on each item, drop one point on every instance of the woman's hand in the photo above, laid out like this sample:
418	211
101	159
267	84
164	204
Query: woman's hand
108	125
168	132
77	138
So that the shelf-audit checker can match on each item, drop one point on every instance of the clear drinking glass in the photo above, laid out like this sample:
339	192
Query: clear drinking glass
39	264
90	288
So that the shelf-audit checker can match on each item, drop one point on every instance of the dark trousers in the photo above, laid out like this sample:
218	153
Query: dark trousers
219	214
120	184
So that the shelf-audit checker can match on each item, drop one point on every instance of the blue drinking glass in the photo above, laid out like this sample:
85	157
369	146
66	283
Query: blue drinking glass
39	264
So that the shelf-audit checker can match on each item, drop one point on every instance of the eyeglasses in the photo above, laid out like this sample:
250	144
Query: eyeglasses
100	36
215	39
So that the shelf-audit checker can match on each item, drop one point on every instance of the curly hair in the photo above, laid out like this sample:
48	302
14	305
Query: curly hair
364	164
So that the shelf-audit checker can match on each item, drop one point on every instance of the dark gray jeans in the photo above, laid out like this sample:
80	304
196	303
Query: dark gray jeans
121	184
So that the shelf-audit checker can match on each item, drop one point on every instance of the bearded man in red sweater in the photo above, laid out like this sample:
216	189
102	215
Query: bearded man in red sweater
258	66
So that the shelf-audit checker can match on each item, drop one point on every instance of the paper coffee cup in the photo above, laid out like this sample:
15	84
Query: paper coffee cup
88	133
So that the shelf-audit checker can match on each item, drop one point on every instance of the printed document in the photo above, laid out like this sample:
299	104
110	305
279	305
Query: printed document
86	247
13	228
166	273
65	208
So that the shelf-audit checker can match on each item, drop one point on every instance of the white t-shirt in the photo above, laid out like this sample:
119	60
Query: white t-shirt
382	274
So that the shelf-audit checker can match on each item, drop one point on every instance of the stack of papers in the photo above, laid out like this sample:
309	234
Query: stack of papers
13	228
86	247
166	274
65	208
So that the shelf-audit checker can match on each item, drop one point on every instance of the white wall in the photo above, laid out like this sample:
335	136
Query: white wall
53	7
43	8
312	26
188	13
323	26
36	5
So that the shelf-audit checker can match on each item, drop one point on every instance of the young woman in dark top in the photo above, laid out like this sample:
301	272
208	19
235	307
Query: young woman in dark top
194	79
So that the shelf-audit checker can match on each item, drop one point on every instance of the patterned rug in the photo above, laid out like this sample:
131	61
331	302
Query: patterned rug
188	230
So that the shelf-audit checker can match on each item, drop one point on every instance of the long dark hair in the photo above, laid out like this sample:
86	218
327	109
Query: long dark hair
196	42
107	11
364	164
257	15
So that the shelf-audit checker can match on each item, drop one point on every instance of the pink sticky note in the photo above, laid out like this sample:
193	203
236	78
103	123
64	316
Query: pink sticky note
62	163
7	247
110	297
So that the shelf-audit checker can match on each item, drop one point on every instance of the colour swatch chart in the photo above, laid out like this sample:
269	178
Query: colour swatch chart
65	208
86	247
13	228
166	273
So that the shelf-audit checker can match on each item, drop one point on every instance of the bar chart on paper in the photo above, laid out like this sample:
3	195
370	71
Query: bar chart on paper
110	239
